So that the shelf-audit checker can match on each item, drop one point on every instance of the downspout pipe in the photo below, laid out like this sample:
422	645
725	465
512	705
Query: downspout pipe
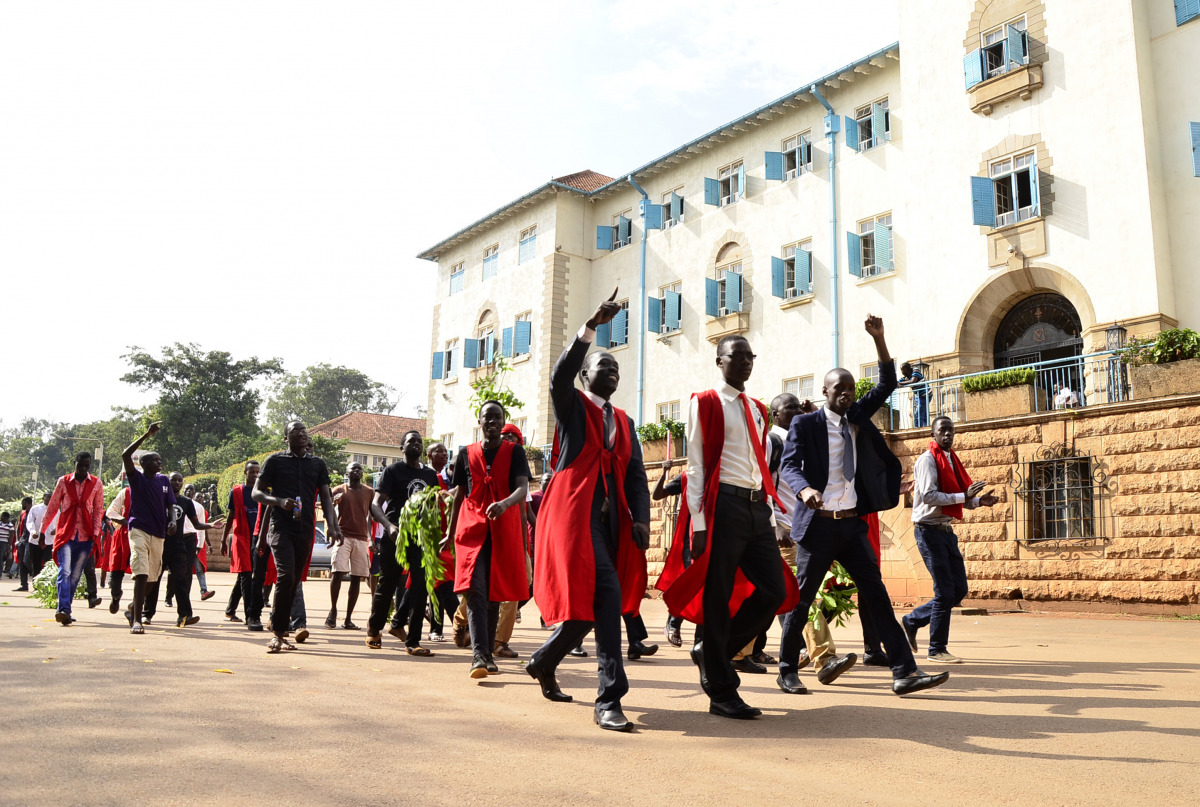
832	126
641	354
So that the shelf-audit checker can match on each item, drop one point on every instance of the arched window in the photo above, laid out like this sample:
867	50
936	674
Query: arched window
1039	328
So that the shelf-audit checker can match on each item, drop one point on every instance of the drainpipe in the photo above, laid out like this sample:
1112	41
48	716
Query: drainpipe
641	369
832	127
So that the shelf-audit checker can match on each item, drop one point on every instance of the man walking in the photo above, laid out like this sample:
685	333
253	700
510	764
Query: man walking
841	468
151	515
351	558
242	521
294	478
116	555
179	556
8	537
22	533
36	554
594	524
942	487
78	504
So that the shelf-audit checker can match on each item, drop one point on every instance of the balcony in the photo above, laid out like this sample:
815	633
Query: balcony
1020	82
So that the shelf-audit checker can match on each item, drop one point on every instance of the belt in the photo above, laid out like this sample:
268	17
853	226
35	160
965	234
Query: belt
754	495
931	526
837	514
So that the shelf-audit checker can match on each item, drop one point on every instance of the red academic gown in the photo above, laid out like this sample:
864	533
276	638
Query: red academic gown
240	528
683	591
116	553
272	575
564	575
76	519
509	581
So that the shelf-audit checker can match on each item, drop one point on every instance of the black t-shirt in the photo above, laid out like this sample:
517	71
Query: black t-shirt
519	467
399	481
185	508
292	477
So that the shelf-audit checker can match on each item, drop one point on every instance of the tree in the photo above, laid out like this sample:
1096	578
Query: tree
203	397
323	392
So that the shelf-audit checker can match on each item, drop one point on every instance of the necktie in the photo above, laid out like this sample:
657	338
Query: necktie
610	425
847	452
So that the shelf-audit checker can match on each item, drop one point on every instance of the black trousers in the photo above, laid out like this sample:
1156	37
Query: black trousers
5	557
391	577
235	594
606	609
448	601
844	540
177	565
740	536
256	594
89	573
635	628
483	615
291	551
411	607
114	584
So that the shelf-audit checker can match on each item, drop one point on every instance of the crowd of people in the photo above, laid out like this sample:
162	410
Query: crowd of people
771	498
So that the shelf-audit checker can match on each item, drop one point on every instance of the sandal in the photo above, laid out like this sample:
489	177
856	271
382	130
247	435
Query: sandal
374	641
419	651
348	625
331	623
275	645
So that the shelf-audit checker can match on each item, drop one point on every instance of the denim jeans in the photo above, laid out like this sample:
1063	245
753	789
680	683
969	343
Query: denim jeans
72	557
939	549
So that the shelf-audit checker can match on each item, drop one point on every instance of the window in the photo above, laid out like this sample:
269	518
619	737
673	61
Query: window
622	225
476	435
801	387
668	313
672	207
874	244
1014	183
797	280
1063	502
457	275
731	180
668	411
528	249
491	261
870	117
487	346
615	333
361	459
448	441
522	424
797	156
729	289
870	372
1005	47
1186	10
453	357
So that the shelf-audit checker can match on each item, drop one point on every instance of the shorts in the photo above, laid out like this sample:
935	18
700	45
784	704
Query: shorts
145	554
352	557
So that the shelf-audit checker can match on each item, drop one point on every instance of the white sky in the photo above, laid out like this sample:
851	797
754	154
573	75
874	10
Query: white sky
183	171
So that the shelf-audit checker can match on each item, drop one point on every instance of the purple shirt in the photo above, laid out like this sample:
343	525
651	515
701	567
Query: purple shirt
149	500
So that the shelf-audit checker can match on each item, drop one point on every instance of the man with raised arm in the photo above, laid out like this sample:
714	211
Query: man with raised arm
151	516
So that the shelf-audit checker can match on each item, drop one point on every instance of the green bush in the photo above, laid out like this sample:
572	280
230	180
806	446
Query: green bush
45	587
658	431
1012	377
201	481
1176	344
861	388
233	475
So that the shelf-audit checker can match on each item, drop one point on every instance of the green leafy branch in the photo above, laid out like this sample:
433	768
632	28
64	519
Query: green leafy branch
491	387
835	600
421	526
45	586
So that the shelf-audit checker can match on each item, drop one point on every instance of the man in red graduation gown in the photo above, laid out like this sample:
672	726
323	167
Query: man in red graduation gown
594	523
242	521
116	552
737	580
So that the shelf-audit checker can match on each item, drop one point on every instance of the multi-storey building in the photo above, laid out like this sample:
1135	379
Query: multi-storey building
1003	185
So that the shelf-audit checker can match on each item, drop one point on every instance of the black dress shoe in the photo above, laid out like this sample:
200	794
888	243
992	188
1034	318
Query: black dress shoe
918	681
875	660
790	683
697	655
637	650
254	624
579	652
829	673
612	719
748	665
94	601
673	636
736	709
479	668
550	690
490	666
911	632
764	658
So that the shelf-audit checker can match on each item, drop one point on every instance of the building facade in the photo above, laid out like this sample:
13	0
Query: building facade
373	439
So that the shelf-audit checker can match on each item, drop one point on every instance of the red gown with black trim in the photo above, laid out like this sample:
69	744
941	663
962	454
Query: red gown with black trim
116	550
272	576
508	580
683	589
564	575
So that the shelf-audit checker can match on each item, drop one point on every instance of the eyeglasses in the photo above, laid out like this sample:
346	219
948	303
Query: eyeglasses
741	355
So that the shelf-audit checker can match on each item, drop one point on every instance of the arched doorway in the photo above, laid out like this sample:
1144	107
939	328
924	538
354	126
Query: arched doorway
1041	327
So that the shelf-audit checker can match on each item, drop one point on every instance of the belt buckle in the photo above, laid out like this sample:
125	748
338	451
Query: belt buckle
838	515
756	495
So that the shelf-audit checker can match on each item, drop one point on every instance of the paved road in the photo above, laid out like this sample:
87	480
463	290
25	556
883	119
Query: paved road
1050	710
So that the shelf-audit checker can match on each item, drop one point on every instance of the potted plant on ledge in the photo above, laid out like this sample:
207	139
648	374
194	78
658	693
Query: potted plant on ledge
654	440
1167	363
1002	393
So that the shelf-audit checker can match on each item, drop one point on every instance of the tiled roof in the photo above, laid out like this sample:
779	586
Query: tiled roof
585	180
368	427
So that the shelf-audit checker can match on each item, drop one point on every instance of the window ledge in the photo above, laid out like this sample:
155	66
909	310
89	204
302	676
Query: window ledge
803	299
451	380
1018	83
615	348
866	281
719	327
669	335
521	359
1025	237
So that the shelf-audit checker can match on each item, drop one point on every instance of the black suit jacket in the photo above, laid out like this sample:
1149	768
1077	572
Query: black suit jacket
876	470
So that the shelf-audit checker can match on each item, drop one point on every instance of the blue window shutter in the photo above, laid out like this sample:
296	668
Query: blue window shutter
851	129
803	271
778	277
805	152
1035	189
879	124
654	310
742	180
623	228
620	327
712	192
604	237
973	67
1186	10
854	253
733	291
506	343
711	291
489	348
676	206
774	163
528	249
604	335
983	201
470	354
674	306
883	246
1195	129
1016	46
522	337
439	365
654	216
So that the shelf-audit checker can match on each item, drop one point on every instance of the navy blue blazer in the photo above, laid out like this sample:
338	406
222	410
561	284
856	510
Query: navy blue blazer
876	470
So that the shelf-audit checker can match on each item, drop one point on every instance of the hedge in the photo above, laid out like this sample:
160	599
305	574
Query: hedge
1012	377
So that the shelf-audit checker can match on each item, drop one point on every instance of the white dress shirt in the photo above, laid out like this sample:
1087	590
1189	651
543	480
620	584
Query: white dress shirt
839	493
33	522
928	498
739	466
786	495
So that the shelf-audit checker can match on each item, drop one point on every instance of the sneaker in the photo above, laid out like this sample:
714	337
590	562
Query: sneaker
184	621
207	595
504	651
94	601
137	628
436	637
518	616
62	618
254	624
301	635
945	658
114	605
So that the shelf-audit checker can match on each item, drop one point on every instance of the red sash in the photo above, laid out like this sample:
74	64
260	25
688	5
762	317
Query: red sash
116	554
239	521
952	477
508	579
77	515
